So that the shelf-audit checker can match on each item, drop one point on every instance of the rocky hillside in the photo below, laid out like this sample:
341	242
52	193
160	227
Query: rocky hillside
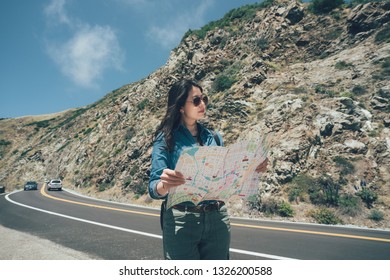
319	83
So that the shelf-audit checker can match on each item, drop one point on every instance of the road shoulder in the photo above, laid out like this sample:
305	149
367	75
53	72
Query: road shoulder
16	245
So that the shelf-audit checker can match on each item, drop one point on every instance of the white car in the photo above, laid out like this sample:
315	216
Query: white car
54	185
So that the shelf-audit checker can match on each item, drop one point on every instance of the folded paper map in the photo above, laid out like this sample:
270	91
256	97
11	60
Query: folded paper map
217	173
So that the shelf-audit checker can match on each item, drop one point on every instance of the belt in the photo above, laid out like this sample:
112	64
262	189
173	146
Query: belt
203	208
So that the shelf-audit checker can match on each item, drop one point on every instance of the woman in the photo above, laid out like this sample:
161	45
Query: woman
189	231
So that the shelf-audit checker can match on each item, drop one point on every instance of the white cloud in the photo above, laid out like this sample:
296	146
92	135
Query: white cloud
88	53
169	35
56	11
85	56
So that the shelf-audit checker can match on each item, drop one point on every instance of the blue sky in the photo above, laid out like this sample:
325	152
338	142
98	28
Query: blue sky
62	54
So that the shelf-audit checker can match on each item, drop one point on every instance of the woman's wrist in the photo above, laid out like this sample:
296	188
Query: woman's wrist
161	189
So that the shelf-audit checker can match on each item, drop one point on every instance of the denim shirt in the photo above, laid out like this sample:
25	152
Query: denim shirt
162	159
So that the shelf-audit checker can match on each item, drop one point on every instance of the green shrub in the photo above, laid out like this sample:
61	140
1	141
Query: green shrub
228	77
347	94
103	186
25	152
295	194
225	62
359	90
223	82
133	171
316	195
5	142
244	13
300	90
322	90
41	124
324	191
262	43
127	182
142	105
341	65
285	209
350	205
117	151
88	131
325	216
300	186
139	189
74	115
330	189
345	165
269	206
324	6
368	196
376	215
130	133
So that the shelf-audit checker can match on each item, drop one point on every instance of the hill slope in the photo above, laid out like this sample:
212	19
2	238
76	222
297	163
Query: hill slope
319	83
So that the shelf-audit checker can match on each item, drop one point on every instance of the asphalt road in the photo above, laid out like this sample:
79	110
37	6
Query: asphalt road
112	231
17	245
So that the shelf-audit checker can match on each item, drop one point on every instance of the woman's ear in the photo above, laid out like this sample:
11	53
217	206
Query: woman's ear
182	110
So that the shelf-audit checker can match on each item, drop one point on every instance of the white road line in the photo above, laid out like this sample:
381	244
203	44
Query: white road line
83	220
259	254
136	231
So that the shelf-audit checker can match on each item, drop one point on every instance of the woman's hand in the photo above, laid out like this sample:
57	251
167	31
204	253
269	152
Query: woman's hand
169	179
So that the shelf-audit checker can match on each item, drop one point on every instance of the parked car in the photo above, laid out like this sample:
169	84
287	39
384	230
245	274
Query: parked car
31	185
55	184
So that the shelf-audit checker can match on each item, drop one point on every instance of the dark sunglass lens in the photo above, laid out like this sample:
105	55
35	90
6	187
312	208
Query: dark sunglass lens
205	100
196	101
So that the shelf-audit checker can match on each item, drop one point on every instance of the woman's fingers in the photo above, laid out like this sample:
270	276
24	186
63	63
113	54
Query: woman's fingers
172	178
173	175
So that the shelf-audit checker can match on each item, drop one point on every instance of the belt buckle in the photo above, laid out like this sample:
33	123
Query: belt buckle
212	207
194	209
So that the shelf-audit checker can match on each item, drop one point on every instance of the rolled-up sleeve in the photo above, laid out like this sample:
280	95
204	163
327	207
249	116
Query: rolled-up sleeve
159	163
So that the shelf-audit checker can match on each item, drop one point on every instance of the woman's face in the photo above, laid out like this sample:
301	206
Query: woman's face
190	112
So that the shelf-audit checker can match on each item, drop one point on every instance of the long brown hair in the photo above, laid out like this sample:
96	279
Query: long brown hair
177	97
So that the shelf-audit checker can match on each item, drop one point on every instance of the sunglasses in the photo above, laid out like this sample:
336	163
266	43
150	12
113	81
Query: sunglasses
198	99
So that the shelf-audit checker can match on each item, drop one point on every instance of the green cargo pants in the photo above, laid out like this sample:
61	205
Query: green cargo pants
196	236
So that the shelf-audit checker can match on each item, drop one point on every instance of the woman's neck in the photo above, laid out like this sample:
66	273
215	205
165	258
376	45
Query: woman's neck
192	127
